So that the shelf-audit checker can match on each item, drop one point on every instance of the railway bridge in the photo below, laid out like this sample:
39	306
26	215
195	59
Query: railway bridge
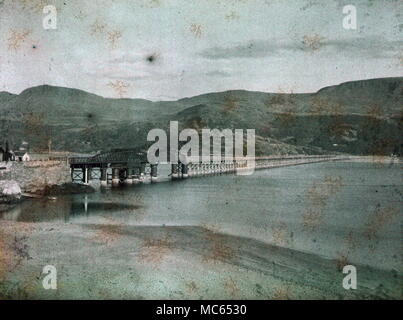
128	166
113	167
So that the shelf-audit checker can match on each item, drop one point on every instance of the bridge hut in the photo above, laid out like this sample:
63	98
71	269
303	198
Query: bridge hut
115	167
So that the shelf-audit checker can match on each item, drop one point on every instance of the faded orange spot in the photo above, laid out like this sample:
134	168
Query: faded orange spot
282	293
108	233
98	27
114	38
217	250
317	197
119	87
191	287
13	245
231	287
280	234
312	42
17	38
380	218
153	251
230	104
196	29
341	261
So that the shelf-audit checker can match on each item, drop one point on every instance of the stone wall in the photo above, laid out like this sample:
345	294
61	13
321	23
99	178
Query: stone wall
35	176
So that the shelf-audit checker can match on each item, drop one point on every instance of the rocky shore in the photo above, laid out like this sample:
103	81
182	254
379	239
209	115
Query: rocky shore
35	179
10	194
67	188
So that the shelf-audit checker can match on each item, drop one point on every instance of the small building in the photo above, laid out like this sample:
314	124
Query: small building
21	155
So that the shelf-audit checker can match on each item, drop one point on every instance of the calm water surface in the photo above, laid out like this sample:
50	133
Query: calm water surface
332	209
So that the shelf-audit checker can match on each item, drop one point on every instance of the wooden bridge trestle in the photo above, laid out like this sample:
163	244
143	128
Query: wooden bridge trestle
131	166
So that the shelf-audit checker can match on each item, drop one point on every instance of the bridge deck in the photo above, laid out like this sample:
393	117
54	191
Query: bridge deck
135	158
125	157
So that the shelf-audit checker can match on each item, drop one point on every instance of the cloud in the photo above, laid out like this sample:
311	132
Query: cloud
217	73
251	49
370	47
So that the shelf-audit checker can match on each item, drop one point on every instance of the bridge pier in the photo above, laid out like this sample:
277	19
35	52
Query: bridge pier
193	170
85	175
154	172
135	173
103	178
128	179
174	171
115	177
190	170
185	171
89	174
143	172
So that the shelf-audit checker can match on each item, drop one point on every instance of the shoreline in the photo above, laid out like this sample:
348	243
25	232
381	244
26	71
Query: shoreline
130	259
374	159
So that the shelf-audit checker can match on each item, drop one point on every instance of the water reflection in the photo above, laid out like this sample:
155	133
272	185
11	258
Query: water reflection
88	207
66	209
40	210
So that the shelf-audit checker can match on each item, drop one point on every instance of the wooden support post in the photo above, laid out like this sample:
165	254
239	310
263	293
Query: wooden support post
190	170
104	181
135	172
185	170
89	174
85	175
174	171
154	172
127	176
143	172
115	176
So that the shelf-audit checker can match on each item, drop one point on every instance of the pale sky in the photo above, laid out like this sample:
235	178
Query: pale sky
197	46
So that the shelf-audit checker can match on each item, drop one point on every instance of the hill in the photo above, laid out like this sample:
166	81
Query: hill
359	117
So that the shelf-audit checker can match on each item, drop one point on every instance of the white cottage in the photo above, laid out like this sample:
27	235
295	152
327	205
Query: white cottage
21	156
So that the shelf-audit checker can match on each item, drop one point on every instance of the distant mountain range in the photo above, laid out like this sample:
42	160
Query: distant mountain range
359	117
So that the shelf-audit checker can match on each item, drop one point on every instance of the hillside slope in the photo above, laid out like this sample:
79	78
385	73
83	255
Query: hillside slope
360	117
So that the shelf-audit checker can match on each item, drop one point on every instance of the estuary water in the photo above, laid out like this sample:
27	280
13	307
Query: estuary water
337	210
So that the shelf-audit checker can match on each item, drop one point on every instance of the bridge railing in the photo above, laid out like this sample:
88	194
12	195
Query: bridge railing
81	160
